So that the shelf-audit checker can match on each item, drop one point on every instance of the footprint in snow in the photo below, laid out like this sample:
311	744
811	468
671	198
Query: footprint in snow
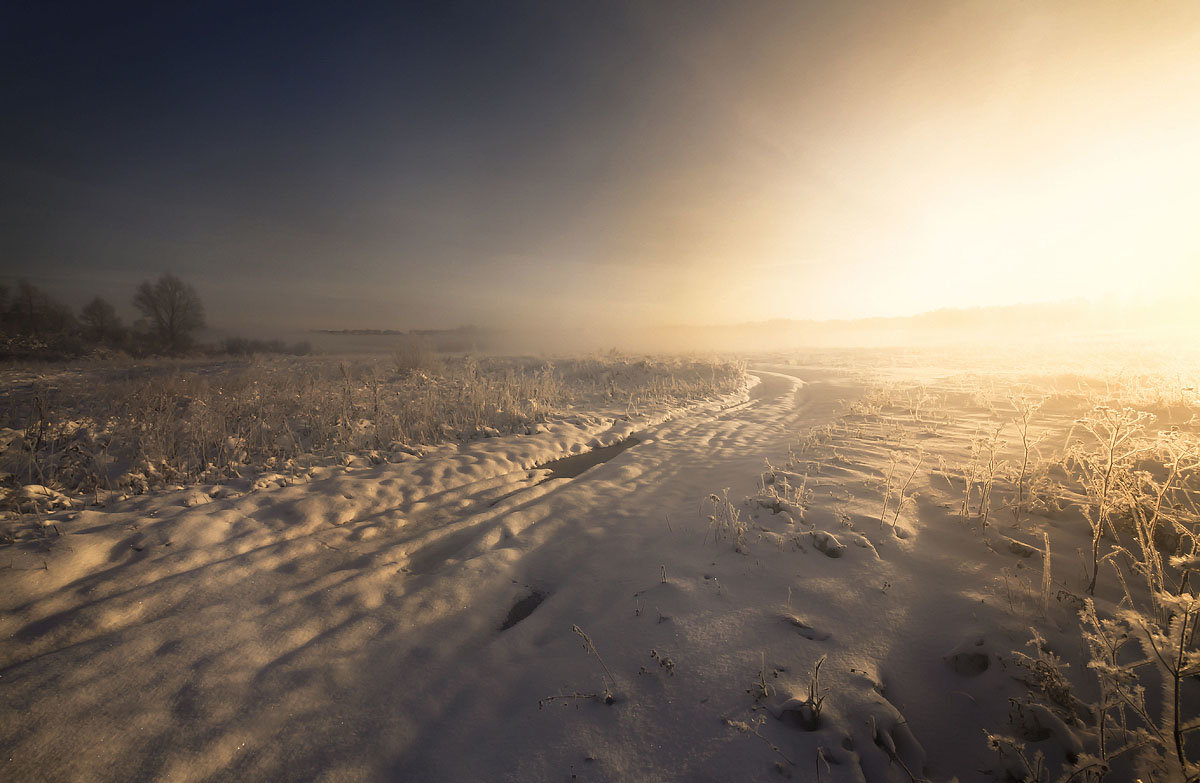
969	658
827	543
861	730
522	608
804	629
859	540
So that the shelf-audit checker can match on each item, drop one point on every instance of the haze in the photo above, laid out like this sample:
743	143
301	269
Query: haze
432	165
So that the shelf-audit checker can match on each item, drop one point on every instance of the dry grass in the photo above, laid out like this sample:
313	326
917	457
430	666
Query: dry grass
103	427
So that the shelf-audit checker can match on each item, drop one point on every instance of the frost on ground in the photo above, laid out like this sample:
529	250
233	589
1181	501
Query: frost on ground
817	578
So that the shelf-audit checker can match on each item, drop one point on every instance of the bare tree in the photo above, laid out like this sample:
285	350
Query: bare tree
172	308
100	321
31	312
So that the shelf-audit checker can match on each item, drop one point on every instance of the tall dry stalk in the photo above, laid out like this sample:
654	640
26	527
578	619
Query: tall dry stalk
1114	432
1025	409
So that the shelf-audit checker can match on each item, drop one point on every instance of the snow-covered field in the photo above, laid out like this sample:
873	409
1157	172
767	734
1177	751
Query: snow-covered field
831	575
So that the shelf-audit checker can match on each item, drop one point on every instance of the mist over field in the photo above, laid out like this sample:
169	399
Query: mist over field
539	166
610	391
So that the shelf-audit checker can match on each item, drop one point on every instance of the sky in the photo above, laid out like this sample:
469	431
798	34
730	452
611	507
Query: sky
430	165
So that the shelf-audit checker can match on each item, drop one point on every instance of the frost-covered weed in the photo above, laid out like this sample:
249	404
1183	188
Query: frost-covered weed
783	490
725	521
1025	409
1115	432
1127	709
1138	493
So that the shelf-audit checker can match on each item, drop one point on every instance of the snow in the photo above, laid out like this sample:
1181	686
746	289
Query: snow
463	615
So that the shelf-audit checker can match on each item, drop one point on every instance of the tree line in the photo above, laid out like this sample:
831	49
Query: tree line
35	325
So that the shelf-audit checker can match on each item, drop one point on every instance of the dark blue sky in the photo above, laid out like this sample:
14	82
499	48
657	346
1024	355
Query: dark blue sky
408	164
275	140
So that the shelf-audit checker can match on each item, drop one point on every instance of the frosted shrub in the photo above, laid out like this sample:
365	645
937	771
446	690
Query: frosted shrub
725	521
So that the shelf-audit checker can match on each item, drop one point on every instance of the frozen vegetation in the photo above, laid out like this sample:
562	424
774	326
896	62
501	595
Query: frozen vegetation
105	429
841	567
